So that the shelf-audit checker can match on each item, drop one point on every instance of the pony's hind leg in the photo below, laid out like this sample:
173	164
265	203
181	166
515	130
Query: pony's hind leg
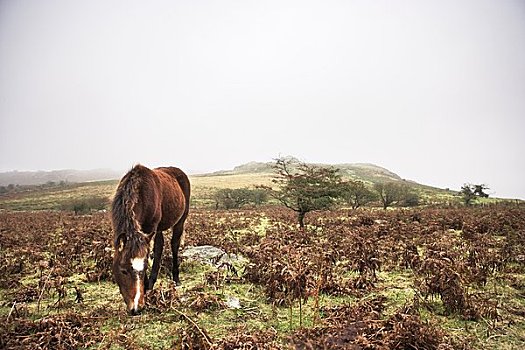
157	257
175	243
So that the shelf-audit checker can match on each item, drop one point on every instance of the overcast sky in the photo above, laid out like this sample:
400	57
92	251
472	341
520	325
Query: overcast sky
432	90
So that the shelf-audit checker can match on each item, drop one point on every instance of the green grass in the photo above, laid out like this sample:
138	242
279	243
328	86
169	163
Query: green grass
397	286
203	188
159	331
54	198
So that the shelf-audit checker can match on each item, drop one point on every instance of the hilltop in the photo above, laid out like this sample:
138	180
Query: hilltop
256	173
359	171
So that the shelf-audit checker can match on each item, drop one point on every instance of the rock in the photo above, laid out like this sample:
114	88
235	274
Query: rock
206	254
233	302
214	256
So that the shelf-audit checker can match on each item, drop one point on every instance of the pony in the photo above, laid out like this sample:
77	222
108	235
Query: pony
146	203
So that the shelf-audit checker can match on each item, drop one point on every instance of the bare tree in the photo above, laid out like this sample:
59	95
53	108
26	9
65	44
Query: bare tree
389	192
356	193
303	187
470	192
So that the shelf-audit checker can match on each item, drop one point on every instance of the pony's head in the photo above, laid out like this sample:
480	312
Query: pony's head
130	263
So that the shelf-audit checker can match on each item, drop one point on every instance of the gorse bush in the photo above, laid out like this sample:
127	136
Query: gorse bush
228	198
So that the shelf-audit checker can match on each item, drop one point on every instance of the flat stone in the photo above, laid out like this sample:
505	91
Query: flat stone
233	302
211	255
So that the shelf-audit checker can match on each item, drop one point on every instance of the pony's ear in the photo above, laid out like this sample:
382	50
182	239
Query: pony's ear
119	243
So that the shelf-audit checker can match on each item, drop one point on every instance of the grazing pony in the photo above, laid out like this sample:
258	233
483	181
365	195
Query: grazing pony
146	203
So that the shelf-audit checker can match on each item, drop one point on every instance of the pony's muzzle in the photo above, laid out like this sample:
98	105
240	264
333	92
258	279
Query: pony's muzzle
135	309
135	312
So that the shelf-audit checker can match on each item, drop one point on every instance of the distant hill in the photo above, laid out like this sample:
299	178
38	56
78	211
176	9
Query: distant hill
30	195
366	172
24	178
359	171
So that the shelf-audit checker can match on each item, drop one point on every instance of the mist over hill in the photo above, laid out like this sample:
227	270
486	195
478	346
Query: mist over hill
370	173
25	178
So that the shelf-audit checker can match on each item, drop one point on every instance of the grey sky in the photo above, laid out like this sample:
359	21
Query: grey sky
432	90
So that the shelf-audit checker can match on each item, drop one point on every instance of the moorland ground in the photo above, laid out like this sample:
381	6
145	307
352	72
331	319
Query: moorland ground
426	278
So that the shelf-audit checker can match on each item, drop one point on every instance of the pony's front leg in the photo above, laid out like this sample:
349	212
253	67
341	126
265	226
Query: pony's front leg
157	256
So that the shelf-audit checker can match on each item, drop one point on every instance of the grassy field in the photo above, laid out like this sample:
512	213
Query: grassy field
203	188
426	278
420	278
54	198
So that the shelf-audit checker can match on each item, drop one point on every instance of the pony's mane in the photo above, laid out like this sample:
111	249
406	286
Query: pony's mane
125	226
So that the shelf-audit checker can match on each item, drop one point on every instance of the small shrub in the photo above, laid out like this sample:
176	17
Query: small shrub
229	198
411	199
85	205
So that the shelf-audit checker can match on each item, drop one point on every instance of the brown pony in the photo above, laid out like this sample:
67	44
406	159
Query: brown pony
146	203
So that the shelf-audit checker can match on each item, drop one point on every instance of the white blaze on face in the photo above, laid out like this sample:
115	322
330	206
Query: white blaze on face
138	266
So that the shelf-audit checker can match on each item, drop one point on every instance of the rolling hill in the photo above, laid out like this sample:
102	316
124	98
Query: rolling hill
359	171
250	172
49	190
257	173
